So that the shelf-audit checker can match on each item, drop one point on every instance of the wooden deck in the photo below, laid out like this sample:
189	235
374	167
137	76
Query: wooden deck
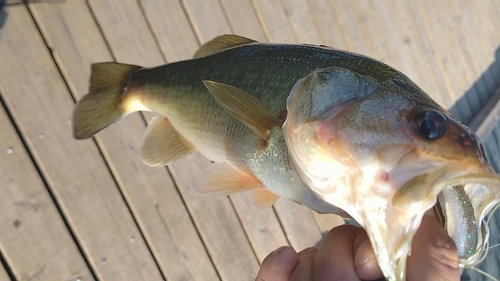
91	210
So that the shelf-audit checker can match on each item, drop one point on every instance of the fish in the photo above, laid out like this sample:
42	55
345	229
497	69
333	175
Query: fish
335	131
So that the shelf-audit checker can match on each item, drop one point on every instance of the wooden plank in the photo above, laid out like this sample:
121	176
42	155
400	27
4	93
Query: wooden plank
383	28
210	21
467	67
297	220
425	71
447	59
124	19
370	25
262	227
396	44
332	35
328	26
175	38
294	213
11	2
75	171
76	43
491	30
242	19
342	11
207	19
5	277
214	217
439	59
33	238
219	225
474	23
273	21
470	50
488	117
301	21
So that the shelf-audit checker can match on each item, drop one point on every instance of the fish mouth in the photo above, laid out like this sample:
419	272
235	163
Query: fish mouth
470	180
481	198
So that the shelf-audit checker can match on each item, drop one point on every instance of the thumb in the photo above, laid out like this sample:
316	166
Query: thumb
434	255
278	265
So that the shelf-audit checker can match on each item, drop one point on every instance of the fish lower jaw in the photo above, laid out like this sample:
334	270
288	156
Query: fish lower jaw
366	197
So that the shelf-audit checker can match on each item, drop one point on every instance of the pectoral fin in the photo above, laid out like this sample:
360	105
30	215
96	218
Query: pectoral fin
223	179
162	144
243	107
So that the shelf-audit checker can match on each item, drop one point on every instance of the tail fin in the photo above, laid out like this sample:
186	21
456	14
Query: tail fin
101	107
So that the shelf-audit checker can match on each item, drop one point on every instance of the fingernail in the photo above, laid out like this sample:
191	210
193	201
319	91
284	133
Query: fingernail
278	251
365	262
369	263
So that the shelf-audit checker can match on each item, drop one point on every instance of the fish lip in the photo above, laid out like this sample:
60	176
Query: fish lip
484	196
436	173
408	206
480	183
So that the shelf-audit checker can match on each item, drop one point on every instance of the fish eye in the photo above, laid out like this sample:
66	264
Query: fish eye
430	124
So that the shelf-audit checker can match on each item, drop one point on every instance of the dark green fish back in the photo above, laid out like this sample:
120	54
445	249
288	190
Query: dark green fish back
269	71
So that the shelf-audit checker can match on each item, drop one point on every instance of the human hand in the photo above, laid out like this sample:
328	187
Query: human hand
346	254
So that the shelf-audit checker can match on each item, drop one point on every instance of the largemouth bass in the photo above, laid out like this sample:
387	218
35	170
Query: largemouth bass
338	132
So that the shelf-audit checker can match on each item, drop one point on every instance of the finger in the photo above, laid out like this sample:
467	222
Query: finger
434	255
365	261
278	265
302	271
335	257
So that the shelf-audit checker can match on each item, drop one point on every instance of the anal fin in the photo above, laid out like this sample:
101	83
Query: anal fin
263	199
162	144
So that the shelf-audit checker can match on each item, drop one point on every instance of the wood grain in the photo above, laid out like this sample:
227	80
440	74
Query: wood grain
150	192
218	223
5	277
297	220
134	222
173	34
214	217
211	21
327	25
344	15
262	227
33	238
273	21
424	71
75	171
301	21
242	19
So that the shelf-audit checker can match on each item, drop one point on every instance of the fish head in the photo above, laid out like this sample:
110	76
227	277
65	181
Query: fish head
382	153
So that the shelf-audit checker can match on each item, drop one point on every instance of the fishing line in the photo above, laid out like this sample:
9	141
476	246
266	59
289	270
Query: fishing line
487	248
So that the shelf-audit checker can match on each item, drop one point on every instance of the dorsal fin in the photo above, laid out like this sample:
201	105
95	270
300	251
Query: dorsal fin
220	43
247	109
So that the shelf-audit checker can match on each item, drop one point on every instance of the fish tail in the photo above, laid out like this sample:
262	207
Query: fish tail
104	104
